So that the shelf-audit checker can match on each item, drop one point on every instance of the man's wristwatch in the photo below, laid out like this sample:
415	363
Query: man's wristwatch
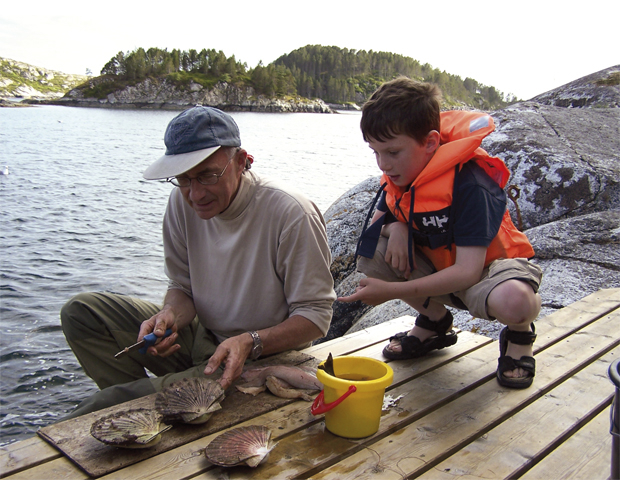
257	348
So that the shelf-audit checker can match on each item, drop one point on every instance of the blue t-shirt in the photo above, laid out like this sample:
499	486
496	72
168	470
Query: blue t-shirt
479	206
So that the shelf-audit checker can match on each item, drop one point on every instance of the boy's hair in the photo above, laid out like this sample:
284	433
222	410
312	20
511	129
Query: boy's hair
401	106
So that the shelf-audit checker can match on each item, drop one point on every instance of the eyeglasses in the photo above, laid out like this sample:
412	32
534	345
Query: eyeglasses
204	179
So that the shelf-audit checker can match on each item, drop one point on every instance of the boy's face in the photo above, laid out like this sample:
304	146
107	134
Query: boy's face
402	158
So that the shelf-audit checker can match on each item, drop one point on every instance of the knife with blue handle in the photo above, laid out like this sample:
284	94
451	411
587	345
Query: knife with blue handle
145	343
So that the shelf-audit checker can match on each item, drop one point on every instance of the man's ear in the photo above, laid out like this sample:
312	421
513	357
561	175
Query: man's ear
432	142
241	158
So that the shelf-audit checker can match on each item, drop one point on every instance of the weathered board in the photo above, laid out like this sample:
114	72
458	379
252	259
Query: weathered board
73	436
292	421
25	454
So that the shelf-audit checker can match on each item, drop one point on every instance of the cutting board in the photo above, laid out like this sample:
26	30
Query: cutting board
73	436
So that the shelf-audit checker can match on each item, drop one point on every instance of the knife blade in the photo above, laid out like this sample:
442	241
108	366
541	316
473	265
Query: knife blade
144	344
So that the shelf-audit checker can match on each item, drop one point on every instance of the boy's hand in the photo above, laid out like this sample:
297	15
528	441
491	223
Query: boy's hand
397	252
370	291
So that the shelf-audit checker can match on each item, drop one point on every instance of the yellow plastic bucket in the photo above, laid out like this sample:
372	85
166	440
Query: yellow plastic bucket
353	399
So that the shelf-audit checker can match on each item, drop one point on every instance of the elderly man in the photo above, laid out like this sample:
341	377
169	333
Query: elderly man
248	265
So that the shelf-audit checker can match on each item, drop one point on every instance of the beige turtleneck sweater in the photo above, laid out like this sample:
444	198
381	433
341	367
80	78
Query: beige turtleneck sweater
262	260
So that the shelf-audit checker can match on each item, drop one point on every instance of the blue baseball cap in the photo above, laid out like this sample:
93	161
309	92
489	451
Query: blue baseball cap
191	137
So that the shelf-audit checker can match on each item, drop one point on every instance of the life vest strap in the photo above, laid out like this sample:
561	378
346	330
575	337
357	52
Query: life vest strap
369	238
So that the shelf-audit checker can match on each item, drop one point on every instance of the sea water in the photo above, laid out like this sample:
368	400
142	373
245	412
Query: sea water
76	215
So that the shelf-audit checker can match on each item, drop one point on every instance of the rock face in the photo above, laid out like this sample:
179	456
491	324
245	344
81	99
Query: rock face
564	160
562	151
154	93
598	90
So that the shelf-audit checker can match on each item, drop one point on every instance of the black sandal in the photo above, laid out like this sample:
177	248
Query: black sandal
412	347
506	363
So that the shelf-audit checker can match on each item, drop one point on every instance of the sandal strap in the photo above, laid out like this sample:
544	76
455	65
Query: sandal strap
440	327
399	336
521	338
410	344
527	363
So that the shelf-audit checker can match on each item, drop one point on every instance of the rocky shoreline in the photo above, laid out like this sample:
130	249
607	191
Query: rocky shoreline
162	95
23	85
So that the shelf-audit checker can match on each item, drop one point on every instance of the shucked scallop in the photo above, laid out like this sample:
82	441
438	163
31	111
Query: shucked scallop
283	389
191	400
249	445
135	429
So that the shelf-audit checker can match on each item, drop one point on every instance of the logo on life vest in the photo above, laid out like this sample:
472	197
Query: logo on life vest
434	221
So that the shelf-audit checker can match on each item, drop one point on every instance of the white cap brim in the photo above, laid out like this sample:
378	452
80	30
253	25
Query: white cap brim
171	165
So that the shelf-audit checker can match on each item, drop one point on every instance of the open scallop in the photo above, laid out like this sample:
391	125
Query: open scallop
249	445
191	400
135	429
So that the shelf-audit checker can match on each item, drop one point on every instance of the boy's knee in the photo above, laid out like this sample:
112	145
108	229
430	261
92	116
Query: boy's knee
514	301
377	267
363	265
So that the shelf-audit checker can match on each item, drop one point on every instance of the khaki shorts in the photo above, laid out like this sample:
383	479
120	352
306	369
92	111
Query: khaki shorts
473	299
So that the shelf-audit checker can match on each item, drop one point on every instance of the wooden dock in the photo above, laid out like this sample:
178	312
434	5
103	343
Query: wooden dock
449	419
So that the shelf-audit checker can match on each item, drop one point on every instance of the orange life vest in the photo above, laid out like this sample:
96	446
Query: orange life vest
460	138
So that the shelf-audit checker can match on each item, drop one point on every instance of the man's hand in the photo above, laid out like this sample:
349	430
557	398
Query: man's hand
370	291
233	352
158	324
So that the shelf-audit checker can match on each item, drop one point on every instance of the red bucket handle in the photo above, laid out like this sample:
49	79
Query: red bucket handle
320	407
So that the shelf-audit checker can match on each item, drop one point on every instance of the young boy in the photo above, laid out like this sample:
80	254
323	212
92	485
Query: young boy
442	234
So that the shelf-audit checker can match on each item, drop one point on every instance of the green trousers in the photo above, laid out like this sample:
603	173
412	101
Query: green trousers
99	325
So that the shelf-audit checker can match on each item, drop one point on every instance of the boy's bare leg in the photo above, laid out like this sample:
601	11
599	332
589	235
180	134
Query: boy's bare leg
515	304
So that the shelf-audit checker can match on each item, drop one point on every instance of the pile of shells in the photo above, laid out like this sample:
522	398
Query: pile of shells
190	400
136	428
248	445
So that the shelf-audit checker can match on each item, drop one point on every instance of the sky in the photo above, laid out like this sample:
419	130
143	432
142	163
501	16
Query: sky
522	48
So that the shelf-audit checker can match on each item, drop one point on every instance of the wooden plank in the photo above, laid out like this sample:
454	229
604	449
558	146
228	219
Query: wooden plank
28	453
427	441
73	437
188	461
479	363
58	469
522	440
572	318
584	456
356	341
294	420
305	452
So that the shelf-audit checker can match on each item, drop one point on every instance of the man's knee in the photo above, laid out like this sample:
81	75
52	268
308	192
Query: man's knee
74	312
113	395
78	301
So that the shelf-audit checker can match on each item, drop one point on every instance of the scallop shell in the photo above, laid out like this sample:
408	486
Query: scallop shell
136	428
191	400
249	445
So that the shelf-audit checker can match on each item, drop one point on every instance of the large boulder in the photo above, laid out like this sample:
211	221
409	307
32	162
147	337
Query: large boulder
565	171
563	160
